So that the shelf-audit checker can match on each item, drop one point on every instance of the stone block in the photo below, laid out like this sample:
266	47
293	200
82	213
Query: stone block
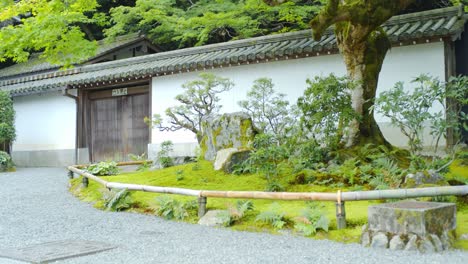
380	240
396	243
412	217
211	218
226	159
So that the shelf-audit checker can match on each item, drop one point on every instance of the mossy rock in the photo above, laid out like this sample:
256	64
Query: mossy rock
234	130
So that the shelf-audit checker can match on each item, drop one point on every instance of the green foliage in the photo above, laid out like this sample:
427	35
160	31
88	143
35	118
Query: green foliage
200	99
386	174
170	208
7	120
179	175
412	111
118	200
326	109
274	216
145	165
5	162
49	26
163	156
266	158
269	110
312	219
176	24
235	212
103	168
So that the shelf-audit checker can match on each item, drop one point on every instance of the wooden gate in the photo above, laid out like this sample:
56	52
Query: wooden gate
117	125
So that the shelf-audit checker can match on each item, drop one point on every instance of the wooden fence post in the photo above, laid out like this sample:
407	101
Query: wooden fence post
201	206
340	215
85	182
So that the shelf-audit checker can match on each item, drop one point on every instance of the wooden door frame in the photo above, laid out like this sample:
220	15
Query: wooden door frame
86	95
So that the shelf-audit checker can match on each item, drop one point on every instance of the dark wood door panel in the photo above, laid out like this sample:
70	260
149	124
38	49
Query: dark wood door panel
118	128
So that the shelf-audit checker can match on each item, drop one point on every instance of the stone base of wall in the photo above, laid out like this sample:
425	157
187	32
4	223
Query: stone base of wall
409	242
50	158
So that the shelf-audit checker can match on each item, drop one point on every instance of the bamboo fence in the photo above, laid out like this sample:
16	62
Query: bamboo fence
338	197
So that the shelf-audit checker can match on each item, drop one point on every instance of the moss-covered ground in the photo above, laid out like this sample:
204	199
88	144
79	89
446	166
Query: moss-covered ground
201	176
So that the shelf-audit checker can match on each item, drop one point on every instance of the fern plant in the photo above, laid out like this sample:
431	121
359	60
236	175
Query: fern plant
312	219
273	216
235	212
170	208
118	200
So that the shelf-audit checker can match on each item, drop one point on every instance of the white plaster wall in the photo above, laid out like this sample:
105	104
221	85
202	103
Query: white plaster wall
401	64
45	122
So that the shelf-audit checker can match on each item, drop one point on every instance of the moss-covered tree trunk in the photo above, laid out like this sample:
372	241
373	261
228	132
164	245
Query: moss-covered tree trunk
363	60
363	44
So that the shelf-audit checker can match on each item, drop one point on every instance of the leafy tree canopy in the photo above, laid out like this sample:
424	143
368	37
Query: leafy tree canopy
49	26
175	23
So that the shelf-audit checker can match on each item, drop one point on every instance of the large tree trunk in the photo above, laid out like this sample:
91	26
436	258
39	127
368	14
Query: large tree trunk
363	51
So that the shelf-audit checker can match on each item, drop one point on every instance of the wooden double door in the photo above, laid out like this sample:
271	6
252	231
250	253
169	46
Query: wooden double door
117	126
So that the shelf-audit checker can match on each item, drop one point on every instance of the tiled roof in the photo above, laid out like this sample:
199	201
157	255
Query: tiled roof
36	64
427	26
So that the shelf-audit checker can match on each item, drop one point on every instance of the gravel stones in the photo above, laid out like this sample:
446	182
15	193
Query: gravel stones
37	208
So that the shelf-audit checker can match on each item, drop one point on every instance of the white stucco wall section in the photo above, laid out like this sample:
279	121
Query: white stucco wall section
45	122
401	64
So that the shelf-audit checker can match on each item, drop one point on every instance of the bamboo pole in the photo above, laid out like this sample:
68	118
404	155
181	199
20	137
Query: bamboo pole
304	196
405	193
123	163
344	196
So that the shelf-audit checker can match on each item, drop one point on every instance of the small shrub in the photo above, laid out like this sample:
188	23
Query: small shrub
145	166
179	175
170	208
118	200
104	168
273	216
266	159
163	155
235	212
312	219
6	163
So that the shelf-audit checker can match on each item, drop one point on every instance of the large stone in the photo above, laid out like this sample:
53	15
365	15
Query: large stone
234	130
211	218
396	243
379	240
227	159
420	218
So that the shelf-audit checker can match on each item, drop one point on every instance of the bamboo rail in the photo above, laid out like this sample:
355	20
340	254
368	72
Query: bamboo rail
339	197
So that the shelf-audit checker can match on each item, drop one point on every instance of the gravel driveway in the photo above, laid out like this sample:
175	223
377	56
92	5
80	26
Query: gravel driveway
36	208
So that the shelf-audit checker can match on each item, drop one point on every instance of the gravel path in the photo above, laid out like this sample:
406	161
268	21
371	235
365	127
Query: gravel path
36	207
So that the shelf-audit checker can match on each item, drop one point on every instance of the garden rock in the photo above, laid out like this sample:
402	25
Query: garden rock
396	243
235	130
227	159
437	243
426	246
420	226
421	178
211	218
412	245
379	240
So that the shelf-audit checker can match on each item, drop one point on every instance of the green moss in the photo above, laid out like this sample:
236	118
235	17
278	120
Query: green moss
207	179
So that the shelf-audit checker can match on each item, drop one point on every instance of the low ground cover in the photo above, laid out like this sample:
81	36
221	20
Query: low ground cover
201	176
